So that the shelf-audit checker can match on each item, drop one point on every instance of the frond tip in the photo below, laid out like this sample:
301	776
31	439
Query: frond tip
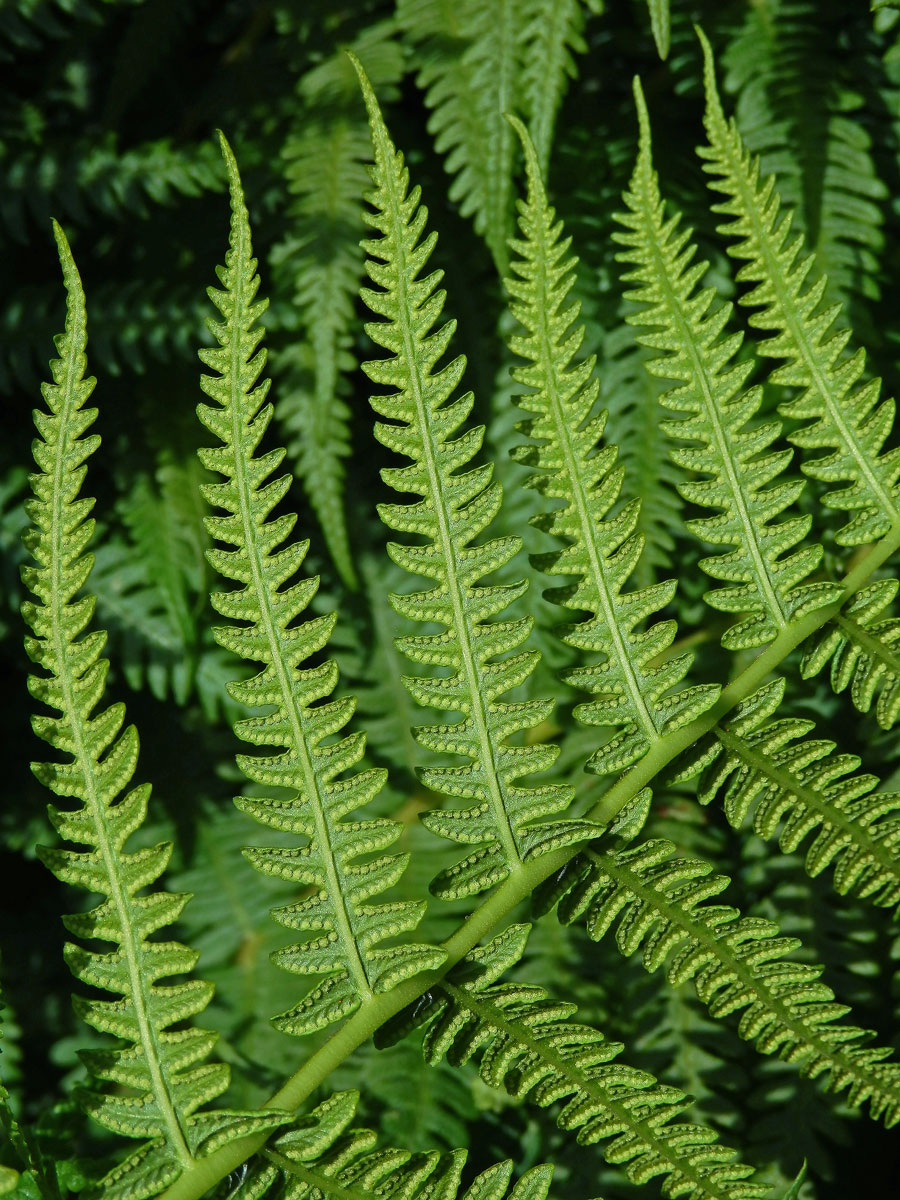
345	930
159	1073
507	823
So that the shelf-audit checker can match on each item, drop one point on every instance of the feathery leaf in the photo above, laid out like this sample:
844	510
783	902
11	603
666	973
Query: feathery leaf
346	930
160	1074
634	690
764	568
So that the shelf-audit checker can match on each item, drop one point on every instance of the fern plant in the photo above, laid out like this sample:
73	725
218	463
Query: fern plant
634	756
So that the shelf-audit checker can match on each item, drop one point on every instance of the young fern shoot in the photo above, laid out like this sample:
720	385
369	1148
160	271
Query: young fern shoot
507	823
160	1076
345	930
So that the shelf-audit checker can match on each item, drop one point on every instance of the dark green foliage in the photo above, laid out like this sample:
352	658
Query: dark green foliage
706	472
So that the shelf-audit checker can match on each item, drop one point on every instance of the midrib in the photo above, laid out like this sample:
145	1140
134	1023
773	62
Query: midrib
701	376
580	500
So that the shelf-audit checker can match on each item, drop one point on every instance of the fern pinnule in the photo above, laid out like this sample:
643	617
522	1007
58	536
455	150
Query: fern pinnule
322	1156
507	823
161	1078
772	769
659	903
346	930
635	692
527	1043
766	571
844	415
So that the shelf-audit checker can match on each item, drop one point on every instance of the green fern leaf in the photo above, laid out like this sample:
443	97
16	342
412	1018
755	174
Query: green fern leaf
472	76
844	416
325	167
506	823
736	963
326	173
863	647
528	1044
346	928
160	1074
752	763
799	107
323	1157
551	38
635	692
661	25
763	567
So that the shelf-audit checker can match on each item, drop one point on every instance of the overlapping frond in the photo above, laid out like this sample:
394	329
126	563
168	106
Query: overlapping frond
507	823
634	692
764	572
326	174
161	1077
844	414
526	1042
322	1156
799	785
345	930
737	964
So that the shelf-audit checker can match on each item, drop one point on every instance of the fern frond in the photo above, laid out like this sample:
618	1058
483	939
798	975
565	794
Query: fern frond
325	167
764	570
863	646
551	38
472	76
661	25
799	108
346	930
844	415
737	964
755	764
326	174
507	822
323	1157
161	1078
528	1044
635	692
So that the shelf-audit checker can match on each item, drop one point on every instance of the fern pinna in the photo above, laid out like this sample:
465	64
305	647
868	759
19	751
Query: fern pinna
506	823
162	1081
347	930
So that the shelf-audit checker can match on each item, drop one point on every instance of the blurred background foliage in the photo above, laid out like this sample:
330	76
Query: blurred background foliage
107	114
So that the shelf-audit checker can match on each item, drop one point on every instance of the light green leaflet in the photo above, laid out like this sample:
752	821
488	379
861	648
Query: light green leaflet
344	929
